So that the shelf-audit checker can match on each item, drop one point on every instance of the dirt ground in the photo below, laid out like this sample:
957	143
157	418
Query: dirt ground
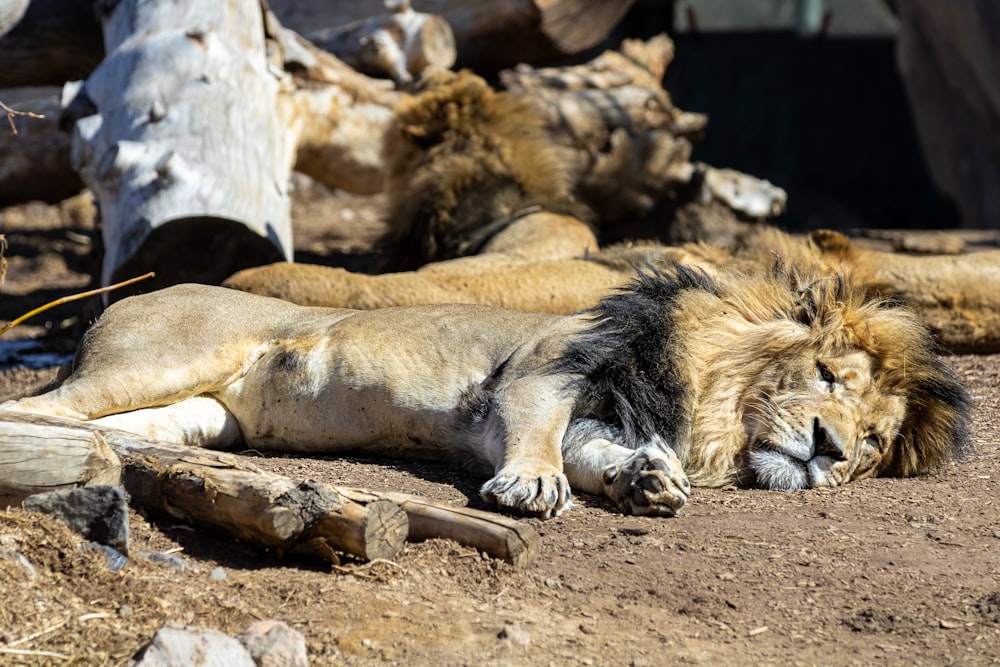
884	571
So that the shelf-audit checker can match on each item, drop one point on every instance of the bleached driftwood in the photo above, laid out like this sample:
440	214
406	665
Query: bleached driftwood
182	150
400	42
219	491
488	35
631	144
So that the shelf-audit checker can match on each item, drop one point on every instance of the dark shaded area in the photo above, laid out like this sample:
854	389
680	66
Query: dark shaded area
826	119
194	250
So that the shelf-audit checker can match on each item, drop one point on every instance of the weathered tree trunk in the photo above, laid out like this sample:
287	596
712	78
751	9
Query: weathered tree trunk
67	457
631	144
183	149
502	537
206	488
489	36
216	490
400	43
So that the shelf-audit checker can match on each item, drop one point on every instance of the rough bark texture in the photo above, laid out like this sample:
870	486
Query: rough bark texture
183	149
488	35
502	537
206	488
217	491
400	43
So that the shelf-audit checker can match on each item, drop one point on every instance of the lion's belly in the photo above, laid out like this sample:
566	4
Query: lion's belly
334	394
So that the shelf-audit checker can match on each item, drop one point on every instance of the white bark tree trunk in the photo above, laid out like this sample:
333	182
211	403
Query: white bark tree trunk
183	150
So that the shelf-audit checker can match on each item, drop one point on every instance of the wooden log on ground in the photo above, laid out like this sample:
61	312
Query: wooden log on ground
489	36
184	151
336	114
400	43
632	146
219	491
206	488
501	537
958	296
61	458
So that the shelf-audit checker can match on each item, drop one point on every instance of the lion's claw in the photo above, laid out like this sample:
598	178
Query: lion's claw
650	482
544	494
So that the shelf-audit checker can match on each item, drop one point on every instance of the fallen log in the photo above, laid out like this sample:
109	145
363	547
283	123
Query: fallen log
205	488
400	43
489	36
512	541
221	492
181	148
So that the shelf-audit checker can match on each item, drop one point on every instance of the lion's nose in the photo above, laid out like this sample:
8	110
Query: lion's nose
825	444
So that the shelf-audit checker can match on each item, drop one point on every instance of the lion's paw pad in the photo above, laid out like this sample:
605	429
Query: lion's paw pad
546	495
651	482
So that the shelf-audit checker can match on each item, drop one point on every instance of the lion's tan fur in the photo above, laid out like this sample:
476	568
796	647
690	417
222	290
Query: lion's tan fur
753	339
784	378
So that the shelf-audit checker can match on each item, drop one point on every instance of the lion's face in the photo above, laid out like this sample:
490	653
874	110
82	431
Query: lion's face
819	420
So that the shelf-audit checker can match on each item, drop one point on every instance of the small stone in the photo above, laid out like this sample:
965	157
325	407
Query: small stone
219	574
275	644
126	611
162	558
175	646
512	632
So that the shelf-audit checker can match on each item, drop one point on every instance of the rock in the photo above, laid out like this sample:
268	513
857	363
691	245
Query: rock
275	644
513	633
163	558
99	513
192	647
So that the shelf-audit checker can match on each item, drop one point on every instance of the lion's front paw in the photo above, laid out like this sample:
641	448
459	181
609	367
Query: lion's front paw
650	482
546	494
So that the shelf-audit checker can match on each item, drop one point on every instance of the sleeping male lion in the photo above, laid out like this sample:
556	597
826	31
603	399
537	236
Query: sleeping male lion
777	380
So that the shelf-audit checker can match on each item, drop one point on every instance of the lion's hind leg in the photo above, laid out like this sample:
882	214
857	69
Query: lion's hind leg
201	421
644	481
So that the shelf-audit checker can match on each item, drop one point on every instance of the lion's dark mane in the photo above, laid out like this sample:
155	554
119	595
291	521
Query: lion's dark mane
625	367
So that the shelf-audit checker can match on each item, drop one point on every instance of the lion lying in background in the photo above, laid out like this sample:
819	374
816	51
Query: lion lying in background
776	379
471	172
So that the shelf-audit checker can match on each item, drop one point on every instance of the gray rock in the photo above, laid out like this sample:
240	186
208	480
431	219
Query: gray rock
275	644
192	647
99	513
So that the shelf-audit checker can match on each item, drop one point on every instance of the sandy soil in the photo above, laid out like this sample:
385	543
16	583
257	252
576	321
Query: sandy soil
882	571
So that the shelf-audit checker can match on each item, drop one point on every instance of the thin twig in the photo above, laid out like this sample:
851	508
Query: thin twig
23	640
25	651
71	297
14	112
3	260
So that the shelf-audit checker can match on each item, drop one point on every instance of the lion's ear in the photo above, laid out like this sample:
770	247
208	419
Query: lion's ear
936	428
